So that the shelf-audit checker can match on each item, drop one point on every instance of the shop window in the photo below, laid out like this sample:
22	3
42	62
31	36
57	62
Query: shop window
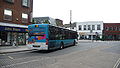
26	3
3	37
98	27
10	1
21	38
7	14
24	18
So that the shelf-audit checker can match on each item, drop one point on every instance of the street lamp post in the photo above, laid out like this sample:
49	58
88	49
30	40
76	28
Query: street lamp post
70	18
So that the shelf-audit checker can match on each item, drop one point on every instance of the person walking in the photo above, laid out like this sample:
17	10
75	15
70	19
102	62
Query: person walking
14	43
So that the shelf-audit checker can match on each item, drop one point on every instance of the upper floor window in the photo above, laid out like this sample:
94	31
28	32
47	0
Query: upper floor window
25	3
106	28
110	28
7	14
118	28
80	27
72	27
24	18
93	27
84	27
89	28
98	27
10	1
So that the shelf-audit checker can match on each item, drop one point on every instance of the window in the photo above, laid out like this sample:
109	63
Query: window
110	28
10	1
80	27
72	27
106	28
24	18
7	14
25	3
89	27
84	27
98	27
118	28
93	27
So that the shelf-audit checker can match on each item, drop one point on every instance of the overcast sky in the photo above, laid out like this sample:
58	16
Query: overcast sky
107	11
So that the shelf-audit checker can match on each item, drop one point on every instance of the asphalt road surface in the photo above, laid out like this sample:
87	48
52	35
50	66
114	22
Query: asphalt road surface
87	54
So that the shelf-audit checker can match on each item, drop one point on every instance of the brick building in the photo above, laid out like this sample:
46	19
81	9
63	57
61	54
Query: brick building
15	16
111	31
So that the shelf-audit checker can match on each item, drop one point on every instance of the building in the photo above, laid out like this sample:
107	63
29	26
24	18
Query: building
15	16
111	31
44	20
59	22
90	29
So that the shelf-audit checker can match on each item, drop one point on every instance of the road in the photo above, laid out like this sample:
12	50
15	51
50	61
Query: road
87	54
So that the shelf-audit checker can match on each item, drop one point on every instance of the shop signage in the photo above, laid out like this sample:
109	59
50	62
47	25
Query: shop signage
82	33
14	29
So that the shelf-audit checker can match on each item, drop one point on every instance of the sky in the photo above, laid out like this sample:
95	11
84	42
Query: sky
107	11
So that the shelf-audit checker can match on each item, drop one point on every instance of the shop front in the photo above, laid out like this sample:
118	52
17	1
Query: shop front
9	35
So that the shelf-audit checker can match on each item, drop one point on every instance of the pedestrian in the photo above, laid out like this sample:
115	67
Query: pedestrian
14	43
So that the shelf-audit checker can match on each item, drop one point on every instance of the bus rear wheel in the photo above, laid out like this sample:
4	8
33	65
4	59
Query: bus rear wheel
74	43
61	46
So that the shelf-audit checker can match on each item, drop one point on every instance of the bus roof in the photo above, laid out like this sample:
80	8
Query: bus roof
37	24
50	25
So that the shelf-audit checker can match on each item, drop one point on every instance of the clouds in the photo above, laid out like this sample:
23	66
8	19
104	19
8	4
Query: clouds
82	10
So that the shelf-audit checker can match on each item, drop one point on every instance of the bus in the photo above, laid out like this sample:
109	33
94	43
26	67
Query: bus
48	37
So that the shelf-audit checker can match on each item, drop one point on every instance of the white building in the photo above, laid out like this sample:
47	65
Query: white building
89	29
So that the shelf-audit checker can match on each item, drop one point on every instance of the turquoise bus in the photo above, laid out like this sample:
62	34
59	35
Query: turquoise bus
48	37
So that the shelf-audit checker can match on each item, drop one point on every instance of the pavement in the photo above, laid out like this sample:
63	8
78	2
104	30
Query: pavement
10	49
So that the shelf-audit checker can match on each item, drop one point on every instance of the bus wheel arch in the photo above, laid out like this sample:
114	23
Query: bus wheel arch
61	45
74	43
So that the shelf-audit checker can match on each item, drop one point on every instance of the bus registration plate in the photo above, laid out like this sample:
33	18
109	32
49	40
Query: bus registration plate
36	45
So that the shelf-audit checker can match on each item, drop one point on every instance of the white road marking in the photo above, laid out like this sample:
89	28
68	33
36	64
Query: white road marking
19	63
2	54
10	57
117	63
